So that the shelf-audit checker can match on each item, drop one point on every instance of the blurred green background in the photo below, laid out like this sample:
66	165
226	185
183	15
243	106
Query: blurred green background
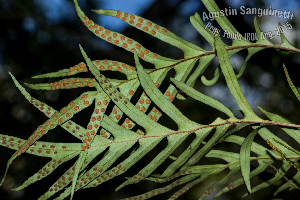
42	36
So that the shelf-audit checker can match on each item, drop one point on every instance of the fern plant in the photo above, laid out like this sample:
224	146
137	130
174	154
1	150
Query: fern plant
127	125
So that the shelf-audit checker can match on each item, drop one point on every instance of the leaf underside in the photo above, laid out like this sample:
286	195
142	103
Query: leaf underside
115	132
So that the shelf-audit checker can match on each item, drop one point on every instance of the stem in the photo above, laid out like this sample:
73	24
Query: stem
208	126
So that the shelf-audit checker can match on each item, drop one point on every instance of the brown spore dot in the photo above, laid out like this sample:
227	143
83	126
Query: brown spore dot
118	117
146	28
142	101
168	93
131	92
138	25
76	108
141	54
164	30
153	32
84	96
129	41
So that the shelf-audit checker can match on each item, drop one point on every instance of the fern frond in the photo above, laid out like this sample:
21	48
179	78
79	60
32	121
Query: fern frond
133	127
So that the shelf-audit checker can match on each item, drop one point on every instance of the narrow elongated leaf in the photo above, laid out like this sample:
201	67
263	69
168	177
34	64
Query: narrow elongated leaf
201	97
296	92
231	78
245	158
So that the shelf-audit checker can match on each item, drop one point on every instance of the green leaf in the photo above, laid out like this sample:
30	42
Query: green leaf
245	158
231	79
296	92
280	173
153	29
274	117
202	98
221	182
213	80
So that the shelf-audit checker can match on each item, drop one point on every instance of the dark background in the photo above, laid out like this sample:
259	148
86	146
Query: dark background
34	40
